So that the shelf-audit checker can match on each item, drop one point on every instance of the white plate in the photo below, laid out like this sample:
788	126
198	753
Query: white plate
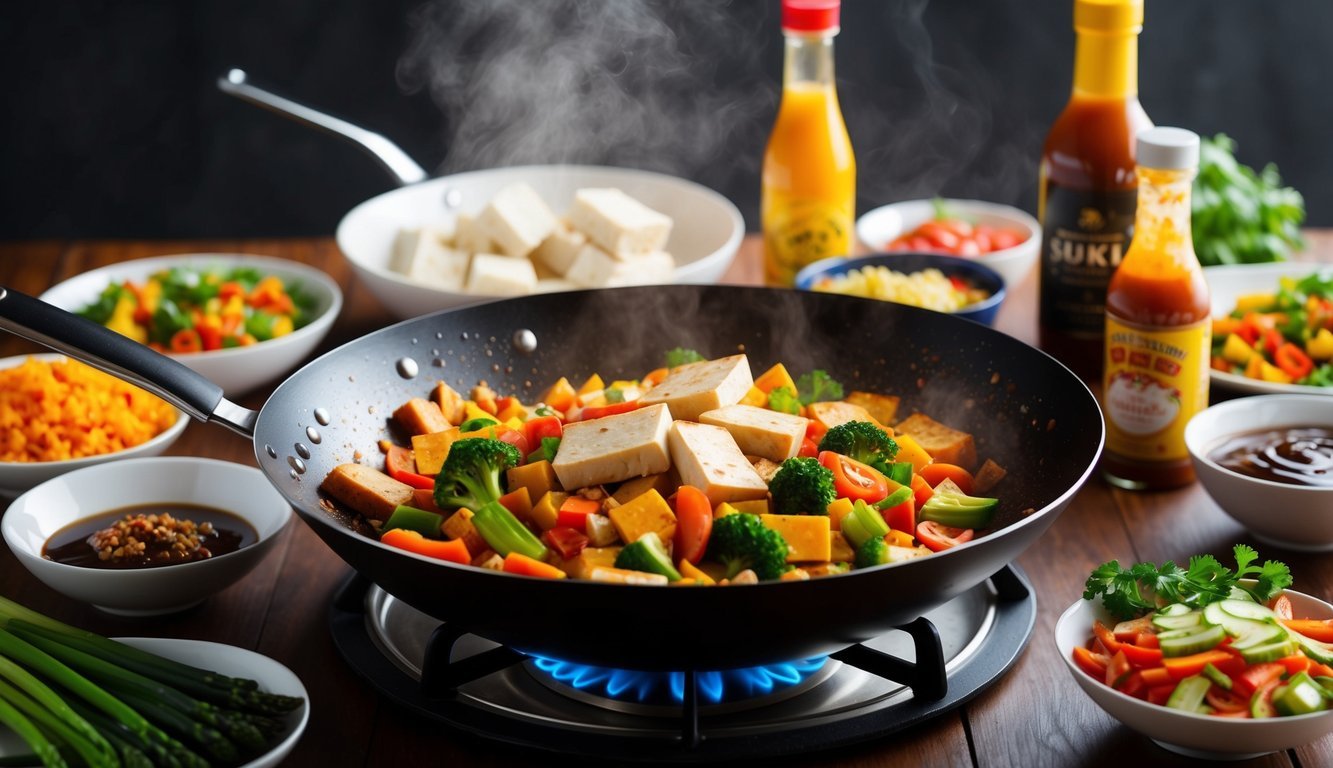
229	660
1225	285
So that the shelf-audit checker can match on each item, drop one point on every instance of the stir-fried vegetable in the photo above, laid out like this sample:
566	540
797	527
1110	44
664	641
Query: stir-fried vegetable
697	473
183	310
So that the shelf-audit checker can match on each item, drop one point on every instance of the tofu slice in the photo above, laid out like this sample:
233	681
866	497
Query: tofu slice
618	223
692	389
422	257
707	458
558	250
366	490
517	220
595	268
942	442
495	275
614	448
469	235
759	431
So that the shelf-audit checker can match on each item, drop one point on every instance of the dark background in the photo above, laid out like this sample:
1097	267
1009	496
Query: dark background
113	126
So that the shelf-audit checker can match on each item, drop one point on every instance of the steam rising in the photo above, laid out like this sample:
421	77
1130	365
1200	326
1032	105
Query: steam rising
630	83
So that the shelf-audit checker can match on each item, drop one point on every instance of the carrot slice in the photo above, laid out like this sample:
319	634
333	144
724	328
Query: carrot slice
1181	667
454	551
527	566
1315	629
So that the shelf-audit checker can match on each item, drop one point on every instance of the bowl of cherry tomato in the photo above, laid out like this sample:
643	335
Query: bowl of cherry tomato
239	320
1001	237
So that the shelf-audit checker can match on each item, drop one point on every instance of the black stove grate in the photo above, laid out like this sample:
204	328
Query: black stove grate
927	686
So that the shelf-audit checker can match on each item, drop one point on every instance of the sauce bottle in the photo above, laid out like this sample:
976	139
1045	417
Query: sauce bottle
808	197
1087	186
1158	327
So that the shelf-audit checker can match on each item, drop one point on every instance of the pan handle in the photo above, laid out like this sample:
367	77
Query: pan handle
123	358
397	162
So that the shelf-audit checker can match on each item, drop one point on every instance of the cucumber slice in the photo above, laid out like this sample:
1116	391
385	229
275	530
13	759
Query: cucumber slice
1174	609
1219	678
1261	634
1325	686
1259	654
1245	609
1184	642
1234	625
1178	621
1261	707
1300	696
1189	693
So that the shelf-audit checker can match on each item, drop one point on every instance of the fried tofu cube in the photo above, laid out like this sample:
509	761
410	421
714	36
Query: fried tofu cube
366	490
692	389
759	431
420	416
614	448
451	403
807	536
707	457
943	443
431	450
619	223
840	551
581	564
517	220
830	414
647	513
546	511
882	408
632	489
459	526
537	476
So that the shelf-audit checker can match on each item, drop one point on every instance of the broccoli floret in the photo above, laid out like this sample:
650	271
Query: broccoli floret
872	552
471	475
862	441
802	486
649	555
740	540
817	386
680	356
784	400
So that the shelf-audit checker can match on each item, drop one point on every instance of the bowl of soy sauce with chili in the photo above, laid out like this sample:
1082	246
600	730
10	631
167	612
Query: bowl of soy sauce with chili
1268	463
145	537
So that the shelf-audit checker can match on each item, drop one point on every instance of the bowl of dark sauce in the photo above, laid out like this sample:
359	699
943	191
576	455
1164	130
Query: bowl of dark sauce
1267	461
150	536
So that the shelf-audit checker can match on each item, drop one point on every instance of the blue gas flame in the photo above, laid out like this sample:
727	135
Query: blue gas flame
714	687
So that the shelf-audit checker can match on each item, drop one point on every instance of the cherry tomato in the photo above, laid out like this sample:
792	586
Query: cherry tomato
902	517
854	480
809	449
941	537
516	438
598	411
542	426
694	523
936	472
566	541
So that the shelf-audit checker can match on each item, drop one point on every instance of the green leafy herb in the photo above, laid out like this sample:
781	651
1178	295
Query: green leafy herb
1142	588
1240	216
681	356
817	386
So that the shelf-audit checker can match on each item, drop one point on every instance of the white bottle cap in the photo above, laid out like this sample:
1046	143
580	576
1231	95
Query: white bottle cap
1167	148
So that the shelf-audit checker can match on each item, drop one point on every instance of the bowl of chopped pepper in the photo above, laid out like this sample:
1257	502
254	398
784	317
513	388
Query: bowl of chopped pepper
142	537
237	319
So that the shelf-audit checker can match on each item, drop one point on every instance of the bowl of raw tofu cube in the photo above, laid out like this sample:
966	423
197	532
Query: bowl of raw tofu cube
476	236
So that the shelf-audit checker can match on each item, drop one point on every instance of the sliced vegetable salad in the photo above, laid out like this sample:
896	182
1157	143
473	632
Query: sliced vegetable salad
181	310
695	473
1209	640
1284	336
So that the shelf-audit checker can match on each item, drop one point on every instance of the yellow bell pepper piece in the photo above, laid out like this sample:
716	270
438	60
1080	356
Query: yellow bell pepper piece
593	383
1321	346
1254	302
1235	350
689	570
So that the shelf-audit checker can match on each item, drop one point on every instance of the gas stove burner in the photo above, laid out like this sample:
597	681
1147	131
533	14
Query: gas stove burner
663	693
862	692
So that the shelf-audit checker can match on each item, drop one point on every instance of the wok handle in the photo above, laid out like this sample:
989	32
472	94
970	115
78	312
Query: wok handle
397	162
121	357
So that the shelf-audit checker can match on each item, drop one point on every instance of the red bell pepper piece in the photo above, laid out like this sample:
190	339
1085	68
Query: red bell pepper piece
400	465
598	411
542	426
568	542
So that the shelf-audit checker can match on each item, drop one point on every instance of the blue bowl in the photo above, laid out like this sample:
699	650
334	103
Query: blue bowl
978	275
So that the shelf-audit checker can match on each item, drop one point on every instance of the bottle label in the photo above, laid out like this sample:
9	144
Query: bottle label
1084	236
1155	380
805	233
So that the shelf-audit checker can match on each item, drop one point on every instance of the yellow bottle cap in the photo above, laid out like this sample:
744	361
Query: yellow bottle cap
1108	16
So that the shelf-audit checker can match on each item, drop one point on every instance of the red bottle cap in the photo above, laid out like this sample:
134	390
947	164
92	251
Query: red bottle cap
810	15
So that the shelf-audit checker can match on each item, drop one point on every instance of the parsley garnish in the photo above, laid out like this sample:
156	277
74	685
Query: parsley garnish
1132	592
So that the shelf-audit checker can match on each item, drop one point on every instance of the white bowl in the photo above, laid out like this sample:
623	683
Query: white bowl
1298	517
240	369
706	233
18	476
878	227
1189	733
244	491
1229	282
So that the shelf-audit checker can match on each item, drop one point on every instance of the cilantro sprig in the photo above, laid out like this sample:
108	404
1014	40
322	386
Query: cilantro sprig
1134	591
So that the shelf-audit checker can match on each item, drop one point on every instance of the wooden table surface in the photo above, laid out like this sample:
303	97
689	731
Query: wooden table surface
1034	716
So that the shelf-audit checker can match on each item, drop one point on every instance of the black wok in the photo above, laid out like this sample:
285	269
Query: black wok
1027	411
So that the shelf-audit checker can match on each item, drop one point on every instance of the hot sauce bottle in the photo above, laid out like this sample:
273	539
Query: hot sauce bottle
1087	186
1158	327
808	197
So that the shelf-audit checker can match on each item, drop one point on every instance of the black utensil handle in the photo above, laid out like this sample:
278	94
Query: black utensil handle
119	356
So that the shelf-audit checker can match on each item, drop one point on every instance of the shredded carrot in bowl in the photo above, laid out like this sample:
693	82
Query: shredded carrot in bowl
56	411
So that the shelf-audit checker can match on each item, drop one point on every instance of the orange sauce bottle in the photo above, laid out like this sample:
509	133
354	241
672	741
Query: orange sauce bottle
1087	186
808	197
1158	325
